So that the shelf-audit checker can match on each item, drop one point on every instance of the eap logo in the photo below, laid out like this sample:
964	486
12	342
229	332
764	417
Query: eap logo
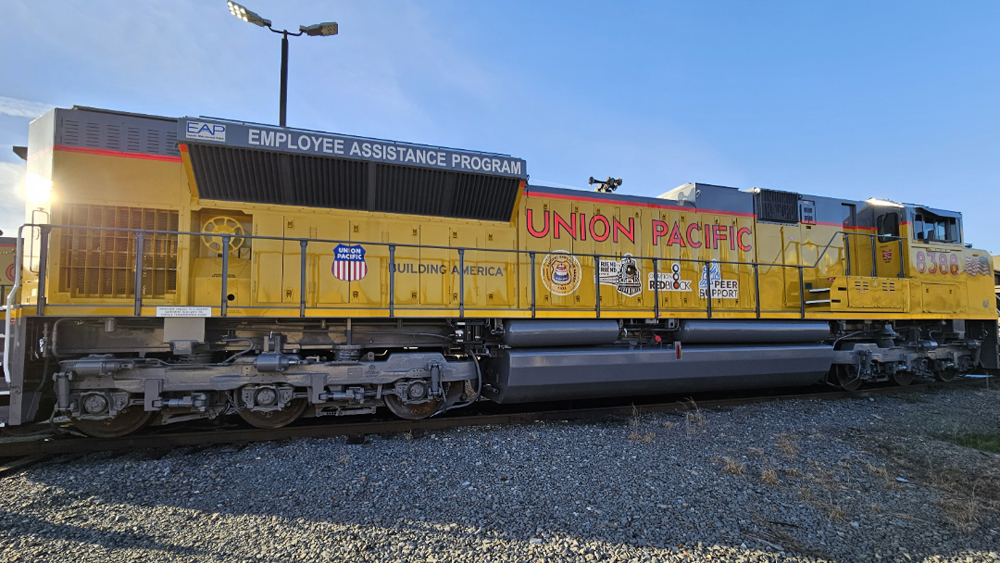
206	131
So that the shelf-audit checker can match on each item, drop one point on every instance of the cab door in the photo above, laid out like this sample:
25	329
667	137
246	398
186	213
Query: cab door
854	245
890	247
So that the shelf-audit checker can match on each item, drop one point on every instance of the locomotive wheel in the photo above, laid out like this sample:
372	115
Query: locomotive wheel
844	379
903	378
947	375
273	419
411	412
127	422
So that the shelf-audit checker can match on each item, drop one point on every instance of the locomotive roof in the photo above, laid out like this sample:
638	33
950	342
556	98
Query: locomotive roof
245	161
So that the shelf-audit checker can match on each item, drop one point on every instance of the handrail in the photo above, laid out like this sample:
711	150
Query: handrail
392	246
18	257
454	248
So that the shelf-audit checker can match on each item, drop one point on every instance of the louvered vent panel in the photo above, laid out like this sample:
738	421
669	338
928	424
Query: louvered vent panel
416	191
71	132
101	264
781	207
92	135
484	197
153	142
113	138
171	148
133	141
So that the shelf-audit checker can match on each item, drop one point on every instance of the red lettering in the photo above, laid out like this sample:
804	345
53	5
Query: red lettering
659	230
558	221
739	237
675	236
531	226
732	238
691	241
583	226
607	228
708	236
721	233
619	228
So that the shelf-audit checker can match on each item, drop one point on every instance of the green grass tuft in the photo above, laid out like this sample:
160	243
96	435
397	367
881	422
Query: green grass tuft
984	442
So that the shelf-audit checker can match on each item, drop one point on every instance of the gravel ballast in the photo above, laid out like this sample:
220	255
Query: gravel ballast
846	480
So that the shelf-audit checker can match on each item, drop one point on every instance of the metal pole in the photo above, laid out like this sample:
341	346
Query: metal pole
902	271
140	243
284	78
802	294
847	252
532	274
597	285
756	290
656	290
43	257
461	282
392	280
708	288
874	261
302	278
224	304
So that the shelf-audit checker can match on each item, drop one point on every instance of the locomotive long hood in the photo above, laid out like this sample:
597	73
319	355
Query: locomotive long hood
246	162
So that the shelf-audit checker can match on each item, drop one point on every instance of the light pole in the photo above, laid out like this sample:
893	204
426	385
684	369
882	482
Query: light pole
319	29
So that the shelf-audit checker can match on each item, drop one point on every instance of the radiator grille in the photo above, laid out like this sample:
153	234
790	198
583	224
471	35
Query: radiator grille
102	263
255	176
781	207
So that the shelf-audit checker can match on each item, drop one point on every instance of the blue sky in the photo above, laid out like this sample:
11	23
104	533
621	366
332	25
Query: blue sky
899	100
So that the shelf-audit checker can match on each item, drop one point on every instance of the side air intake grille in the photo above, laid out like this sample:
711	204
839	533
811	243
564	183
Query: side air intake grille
781	207
255	176
99	263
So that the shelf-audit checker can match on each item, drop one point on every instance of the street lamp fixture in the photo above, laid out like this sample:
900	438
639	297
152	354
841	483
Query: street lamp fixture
316	30
319	29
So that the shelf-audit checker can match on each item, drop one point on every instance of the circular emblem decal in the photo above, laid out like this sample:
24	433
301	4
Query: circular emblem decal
561	272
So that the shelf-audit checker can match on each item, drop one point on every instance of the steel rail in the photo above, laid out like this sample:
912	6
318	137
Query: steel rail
77	445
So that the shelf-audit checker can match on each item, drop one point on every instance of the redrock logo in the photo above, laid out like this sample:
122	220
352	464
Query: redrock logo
206	131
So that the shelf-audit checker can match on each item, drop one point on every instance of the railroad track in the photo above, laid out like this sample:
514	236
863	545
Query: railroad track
37	448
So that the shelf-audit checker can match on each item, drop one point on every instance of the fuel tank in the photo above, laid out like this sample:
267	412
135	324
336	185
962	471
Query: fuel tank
553	374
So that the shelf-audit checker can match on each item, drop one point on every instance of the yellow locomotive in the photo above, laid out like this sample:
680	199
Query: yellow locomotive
186	268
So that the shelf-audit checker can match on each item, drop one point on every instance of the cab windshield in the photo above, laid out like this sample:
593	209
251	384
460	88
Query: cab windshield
930	227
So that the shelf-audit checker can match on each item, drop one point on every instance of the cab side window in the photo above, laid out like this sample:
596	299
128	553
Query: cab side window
888	227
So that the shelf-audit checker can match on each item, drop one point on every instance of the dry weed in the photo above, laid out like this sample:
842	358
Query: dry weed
733	467
647	438
791	472
668	425
770	477
882	473
788	444
345	459
636	418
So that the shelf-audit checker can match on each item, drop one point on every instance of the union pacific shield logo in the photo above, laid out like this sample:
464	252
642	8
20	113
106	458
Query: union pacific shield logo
349	262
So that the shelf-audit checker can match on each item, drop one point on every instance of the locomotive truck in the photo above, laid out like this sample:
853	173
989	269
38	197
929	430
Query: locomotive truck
176	269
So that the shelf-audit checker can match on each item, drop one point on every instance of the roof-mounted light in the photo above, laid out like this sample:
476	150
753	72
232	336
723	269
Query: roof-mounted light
883	202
